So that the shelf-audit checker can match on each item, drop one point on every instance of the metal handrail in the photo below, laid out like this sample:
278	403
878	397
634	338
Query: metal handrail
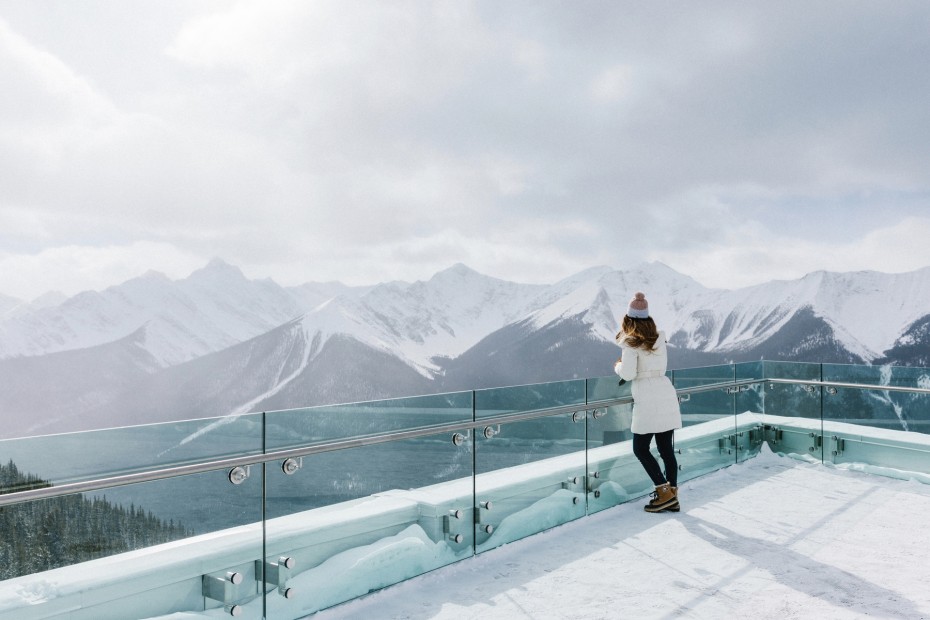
279	455
150	475
858	386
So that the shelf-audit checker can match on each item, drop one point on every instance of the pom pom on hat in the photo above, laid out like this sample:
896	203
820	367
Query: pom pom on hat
639	307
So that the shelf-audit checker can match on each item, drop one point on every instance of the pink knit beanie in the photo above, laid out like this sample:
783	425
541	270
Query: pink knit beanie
639	307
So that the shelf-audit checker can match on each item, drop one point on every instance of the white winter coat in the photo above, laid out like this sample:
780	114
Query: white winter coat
655	403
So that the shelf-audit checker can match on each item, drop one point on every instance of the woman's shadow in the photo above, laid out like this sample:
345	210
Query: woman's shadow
824	582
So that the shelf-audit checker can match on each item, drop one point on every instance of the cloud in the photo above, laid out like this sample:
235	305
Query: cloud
746	254
613	85
369	141
72	269
45	109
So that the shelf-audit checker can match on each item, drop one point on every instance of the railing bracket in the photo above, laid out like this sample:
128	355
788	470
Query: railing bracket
277	574
238	475
291	466
223	589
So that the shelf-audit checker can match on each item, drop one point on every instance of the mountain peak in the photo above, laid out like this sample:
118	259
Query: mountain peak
458	269
460	272
151	274
217	268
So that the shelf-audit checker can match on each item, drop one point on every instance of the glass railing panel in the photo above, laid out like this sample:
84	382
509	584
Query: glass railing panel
749	370
611	423
710	437
793	413
896	454
607	388
703	375
901	376
792	370
619	476
792	420
501	401
530	476
790	400
146	550
888	409
704	406
714	410
749	408
749	398
614	475
350	521
314	425
898	440
73	457
800	406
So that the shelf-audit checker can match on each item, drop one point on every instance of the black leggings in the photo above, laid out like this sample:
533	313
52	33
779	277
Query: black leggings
665	444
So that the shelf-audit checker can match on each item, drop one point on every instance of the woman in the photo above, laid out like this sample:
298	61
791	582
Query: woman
655	404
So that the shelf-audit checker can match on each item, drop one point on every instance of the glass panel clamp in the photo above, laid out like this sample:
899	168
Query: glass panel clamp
277	574
452	525
592	483
238	475
291	466
224	589
482	507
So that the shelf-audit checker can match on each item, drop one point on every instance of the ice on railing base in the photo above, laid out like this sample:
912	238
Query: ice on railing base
881	451
349	574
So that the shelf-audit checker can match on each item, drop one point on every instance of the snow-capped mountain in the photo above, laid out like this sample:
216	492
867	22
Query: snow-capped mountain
53	392
912	348
214	308
281	369
439	318
217	343
864	312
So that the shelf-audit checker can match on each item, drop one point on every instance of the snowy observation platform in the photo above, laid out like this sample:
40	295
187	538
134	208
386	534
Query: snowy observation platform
772	537
803	490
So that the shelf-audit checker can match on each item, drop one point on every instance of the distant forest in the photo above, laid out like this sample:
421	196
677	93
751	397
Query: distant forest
45	534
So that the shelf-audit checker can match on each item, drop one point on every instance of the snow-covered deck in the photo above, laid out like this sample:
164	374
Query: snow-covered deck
774	537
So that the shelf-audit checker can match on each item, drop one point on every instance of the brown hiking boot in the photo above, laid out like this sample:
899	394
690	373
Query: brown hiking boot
673	507
664	498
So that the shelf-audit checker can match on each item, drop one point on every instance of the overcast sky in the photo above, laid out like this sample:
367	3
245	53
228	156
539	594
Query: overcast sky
365	141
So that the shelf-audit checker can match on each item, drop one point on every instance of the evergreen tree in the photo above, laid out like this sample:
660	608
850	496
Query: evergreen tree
44	534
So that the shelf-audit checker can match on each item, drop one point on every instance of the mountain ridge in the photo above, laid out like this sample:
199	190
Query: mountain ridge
217	343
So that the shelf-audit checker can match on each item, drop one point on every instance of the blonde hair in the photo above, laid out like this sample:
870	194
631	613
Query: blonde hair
638	333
